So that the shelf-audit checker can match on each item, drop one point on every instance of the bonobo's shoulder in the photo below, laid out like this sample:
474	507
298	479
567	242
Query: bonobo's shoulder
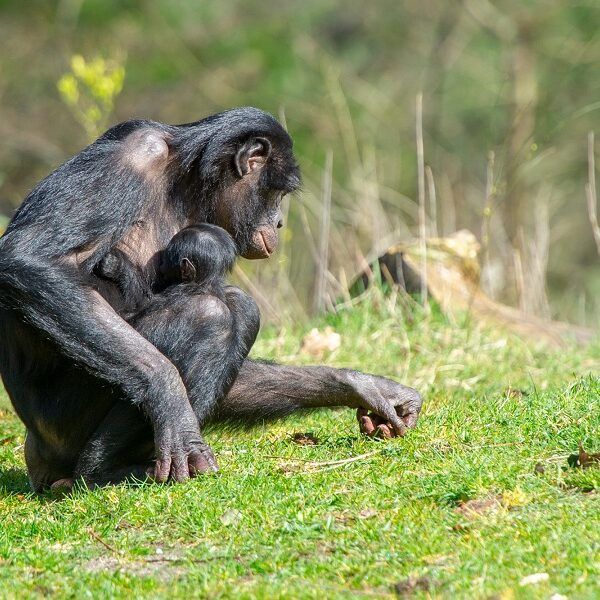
141	144
121	131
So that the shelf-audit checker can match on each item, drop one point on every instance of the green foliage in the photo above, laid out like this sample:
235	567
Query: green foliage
282	521
346	76
90	90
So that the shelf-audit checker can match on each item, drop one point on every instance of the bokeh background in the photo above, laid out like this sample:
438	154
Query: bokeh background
510	93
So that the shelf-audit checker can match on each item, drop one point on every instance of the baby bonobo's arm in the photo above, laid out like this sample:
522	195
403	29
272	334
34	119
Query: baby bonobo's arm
130	280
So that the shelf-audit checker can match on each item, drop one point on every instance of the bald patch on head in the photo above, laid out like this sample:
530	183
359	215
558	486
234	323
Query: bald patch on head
146	151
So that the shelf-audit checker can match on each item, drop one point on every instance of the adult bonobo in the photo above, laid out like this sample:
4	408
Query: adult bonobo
73	367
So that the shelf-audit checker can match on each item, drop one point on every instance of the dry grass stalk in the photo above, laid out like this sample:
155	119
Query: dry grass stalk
421	183
322	256
590	192
432	201
485	226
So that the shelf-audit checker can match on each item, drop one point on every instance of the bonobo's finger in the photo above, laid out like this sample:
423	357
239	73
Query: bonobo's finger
198	464
389	415
410	420
365	423
210	458
374	426
384	431
162	468
179	467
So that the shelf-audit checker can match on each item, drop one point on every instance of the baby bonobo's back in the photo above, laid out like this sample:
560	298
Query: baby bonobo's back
200	254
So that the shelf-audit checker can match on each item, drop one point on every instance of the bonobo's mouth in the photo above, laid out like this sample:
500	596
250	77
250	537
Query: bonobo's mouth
262	244
267	244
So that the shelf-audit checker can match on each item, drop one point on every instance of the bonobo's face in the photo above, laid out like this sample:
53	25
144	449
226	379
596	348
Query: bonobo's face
264	171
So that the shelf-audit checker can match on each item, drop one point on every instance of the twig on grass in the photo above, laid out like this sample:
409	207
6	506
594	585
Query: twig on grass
105	544
318	467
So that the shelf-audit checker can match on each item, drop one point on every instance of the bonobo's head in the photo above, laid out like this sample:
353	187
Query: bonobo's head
201	253
246	167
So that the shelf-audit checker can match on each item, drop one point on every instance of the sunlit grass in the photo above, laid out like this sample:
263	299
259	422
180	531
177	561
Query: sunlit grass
281	520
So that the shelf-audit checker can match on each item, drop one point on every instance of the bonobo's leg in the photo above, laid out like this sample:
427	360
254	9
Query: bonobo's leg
56	300
207	340
263	391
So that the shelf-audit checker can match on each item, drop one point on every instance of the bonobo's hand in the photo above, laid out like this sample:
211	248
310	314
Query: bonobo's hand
181	452
393	407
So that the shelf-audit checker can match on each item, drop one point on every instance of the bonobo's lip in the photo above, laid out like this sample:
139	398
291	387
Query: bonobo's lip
265	247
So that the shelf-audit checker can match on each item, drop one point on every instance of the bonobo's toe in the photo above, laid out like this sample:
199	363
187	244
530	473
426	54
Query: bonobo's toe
62	485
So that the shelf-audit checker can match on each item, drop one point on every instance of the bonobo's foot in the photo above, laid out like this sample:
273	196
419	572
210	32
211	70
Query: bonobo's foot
385	408
180	461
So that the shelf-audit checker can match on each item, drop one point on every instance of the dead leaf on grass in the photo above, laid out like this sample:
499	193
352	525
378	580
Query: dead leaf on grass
305	439
408	586
583	459
511	392
477	507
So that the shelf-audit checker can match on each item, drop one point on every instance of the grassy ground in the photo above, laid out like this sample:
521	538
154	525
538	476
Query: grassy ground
477	498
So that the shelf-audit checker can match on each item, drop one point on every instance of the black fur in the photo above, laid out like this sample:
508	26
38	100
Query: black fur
105	398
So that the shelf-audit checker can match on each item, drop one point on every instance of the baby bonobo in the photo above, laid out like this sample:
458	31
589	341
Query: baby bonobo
201	255
190	294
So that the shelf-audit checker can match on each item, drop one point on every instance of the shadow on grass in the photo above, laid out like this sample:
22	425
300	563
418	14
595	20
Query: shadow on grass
13	481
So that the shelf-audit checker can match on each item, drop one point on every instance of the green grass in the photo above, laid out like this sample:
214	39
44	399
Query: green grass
499	422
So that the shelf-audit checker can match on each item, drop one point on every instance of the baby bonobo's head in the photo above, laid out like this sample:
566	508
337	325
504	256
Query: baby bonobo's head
200	253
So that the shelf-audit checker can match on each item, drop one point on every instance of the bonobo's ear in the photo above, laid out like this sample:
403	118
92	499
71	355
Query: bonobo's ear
252	155
188	271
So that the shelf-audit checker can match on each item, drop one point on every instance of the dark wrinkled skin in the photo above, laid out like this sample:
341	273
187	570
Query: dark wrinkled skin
115	379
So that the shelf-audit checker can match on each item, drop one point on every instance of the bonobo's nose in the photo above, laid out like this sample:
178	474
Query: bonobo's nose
280	224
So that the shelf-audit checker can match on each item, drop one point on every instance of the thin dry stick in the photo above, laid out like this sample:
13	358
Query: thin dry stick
339	464
105	544
343	461
421	182
282	118
323	254
432	200
485	225
317	467
326	463
590	192
520	279
256	293
309	236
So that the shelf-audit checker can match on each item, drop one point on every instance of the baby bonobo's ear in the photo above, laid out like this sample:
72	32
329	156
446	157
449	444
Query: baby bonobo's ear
188	270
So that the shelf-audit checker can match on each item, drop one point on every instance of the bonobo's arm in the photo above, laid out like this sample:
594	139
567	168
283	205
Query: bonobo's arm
129	279
52	296
265	390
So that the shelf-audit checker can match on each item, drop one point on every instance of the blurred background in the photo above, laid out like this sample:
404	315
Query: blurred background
506	94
